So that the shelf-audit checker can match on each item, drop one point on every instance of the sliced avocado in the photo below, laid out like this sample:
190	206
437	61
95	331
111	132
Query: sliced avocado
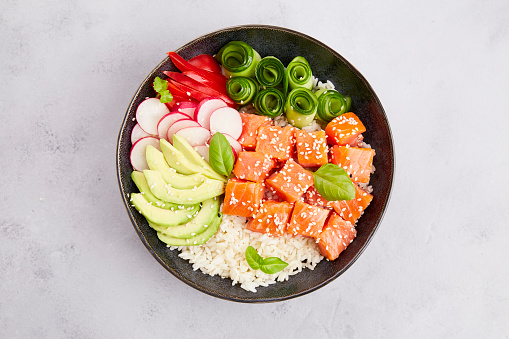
197	225
181	164
156	162
208	189
161	216
190	153
196	240
141	183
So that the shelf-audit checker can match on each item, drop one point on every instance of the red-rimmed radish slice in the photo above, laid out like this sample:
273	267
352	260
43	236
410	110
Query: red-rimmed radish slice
148	114
186	107
167	121
194	135
137	133
237	147
203	151
226	120
205	109
180	124
138	152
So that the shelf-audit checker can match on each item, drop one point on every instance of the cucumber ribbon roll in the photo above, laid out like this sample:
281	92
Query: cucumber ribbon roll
242	90
299	74
270	102
270	72
301	106
238	59
331	104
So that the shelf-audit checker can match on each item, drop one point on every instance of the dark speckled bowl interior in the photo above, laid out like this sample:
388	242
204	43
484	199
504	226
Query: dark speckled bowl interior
326	64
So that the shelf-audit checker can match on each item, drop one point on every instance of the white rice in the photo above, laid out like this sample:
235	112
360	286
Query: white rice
224	254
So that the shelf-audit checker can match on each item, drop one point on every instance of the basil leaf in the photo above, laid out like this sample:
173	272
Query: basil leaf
333	183
221	155
272	265
161	87
253	258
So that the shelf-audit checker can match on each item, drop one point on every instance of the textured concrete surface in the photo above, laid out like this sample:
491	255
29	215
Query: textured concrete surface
71	264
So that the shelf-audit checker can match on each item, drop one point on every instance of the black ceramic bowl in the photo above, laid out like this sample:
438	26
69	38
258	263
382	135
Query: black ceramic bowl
326	64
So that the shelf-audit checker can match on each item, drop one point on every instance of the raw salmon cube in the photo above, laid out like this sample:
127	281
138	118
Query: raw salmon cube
253	166
350	210
242	198
335	237
272	218
307	220
344	129
250	125
356	161
275	141
291	182
311	148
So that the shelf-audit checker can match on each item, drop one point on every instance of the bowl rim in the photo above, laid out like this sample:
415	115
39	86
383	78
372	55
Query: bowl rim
369	238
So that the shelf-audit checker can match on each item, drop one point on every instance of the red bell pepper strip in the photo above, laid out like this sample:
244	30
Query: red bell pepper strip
192	92
206	62
185	80
184	65
205	81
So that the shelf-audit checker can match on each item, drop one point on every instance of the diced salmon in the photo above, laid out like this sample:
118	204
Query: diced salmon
344	129
253	166
291	182
356	161
272	218
242	198
275	141
335	236
350	210
250	125
311	148
307	220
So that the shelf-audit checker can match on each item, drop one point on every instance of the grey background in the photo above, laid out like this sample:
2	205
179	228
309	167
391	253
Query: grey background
71	265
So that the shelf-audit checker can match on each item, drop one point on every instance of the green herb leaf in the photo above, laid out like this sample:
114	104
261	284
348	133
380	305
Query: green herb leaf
272	265
161	87
254	260
269	265
333	183
221	155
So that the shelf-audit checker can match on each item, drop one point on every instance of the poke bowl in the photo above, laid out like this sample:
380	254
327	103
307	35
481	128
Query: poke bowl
326	65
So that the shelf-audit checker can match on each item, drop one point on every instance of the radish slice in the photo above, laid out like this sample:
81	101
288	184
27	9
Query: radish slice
180	124
148	114
138	152
203	151
205	109
137	133
166	122
194	135
186	107
237	147
226	120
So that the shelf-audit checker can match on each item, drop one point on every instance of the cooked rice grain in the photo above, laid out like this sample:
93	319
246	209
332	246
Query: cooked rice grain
224	254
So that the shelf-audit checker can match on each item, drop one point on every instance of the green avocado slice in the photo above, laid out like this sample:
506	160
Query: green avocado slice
141	183
161	216
157	162
181	164
208	189
190	153
194	241
197	225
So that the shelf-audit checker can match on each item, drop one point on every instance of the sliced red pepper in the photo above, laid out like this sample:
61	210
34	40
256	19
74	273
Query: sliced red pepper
185	80
186	89
176	91
205	81
206	62
184	65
